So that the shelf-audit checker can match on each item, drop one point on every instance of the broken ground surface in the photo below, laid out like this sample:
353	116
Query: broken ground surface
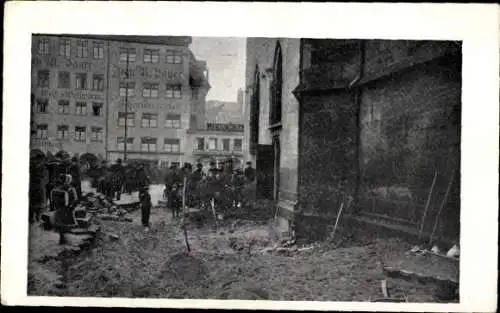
227	262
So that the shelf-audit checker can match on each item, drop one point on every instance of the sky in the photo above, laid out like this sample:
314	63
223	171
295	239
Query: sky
226	64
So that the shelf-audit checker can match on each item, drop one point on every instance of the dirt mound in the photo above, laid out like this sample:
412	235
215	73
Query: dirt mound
186	268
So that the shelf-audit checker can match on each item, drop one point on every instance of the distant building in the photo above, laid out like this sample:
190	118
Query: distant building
80	86
224	112
366	123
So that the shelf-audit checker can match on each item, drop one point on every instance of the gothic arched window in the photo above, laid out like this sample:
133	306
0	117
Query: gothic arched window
255	112
276	87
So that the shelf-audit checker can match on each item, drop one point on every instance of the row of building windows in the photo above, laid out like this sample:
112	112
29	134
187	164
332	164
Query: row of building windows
149	120
217	144
126	54
150	90
80	132
148	144
64	80
63	107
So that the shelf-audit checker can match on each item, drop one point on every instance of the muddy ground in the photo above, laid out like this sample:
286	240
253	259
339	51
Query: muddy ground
224	263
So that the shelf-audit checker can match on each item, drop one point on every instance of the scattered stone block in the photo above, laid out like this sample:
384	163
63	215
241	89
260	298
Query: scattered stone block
113	237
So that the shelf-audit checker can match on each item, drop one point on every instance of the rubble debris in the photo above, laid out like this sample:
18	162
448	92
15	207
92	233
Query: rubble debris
109	217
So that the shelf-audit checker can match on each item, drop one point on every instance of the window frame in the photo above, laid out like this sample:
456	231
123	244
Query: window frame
121	140
64	129
97	138
79	132
78	105
130	118
153	141
151	53
40	101
127	51
172	143
82	48
65	44
200	141
43	46
128	87
42	135
99	47
149	117
60	75
173	121
78	77
43	82
240	149
101	106
150	87
173	91
99	78
64	104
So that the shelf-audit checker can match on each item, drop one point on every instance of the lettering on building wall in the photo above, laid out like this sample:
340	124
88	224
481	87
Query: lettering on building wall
69	94
52	61
147	73
153	106
225	127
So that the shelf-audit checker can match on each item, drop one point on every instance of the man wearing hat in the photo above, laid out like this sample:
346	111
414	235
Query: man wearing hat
63	199
75	172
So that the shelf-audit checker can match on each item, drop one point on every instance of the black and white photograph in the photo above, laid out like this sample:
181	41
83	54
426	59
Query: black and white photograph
272	168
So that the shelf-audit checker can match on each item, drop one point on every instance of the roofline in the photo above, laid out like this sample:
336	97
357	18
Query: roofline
140	39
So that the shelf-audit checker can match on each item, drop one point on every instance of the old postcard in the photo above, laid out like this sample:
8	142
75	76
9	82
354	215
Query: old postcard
281	156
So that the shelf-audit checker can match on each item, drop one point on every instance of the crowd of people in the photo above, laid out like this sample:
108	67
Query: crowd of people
56	184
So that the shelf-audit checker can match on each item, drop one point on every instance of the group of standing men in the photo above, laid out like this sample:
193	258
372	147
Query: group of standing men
222	187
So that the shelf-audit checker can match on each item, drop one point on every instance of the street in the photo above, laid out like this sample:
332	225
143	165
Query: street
234	262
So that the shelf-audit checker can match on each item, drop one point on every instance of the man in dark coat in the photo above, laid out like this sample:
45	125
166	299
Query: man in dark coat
37	190
63	199
249	172
142	177
75	172
117	179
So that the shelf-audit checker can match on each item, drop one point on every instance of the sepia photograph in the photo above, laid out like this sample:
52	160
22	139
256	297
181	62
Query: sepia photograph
332	173
267	168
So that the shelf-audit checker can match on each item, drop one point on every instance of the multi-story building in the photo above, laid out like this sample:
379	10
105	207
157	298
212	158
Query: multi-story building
90	92
366	124
68	88
218	142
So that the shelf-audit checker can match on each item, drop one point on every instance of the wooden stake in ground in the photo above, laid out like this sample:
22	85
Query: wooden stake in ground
441	207
183	221
338	217
422	222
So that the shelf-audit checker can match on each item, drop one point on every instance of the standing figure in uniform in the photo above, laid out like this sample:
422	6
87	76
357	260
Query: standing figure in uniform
75	172
117	179
173	183
196	185
145	203
63	199
142	178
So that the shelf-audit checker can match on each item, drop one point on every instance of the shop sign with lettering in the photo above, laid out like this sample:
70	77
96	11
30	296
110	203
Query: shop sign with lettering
70	94
172	106
52	61
147	73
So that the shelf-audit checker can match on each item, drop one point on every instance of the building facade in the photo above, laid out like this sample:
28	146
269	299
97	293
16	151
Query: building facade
90	92
68	94
217	143
366	123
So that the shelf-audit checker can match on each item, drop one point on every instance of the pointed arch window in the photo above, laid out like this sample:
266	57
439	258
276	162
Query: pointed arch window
255	112
276	87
